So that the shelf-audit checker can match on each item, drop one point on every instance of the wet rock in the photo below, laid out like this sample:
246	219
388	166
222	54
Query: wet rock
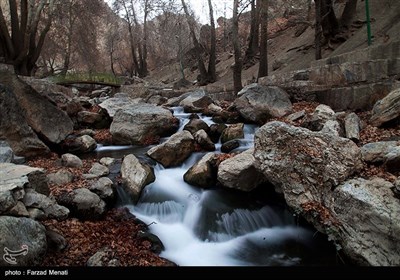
240	172
203	140
203	174
229	146
175	150
156	244
196	102
234	131
103	187
107	161
99	170
216	131
135	176
259	103
140	124
195	125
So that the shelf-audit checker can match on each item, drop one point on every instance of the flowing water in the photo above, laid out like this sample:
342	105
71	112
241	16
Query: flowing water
217	227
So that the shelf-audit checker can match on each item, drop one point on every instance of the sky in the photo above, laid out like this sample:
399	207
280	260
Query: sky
200	8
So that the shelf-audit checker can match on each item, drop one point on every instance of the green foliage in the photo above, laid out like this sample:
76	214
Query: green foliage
99	78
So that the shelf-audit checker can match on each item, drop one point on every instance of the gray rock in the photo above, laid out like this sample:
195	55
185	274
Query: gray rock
196	102
107	161
23	141
203	174
50	122
6	153
36	214
175	150
368	221
82	144
139	124
157	100
119	102
259	103
195	125
229	146
135	176
89	118
84	204
99	170
60	178
103	188
386	109
320	116
102	258
70	160
216	131
352	127
19	210
203	140
392	162
376	152
234	131
306	165
331	127
156	244
7	201
22	233
14	176
87	131
49	206
240	172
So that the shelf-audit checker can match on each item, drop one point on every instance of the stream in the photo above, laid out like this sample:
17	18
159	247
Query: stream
219	227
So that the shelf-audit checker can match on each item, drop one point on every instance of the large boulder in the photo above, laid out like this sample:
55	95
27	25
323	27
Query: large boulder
140	124
83	204
259	103
195	125
15	129
112	105
386	109
240	172
25	235
175	150
203	174
70	160
21	176
135	176
103	187
81	144
304	164
48	121
368	221
196	102
204	141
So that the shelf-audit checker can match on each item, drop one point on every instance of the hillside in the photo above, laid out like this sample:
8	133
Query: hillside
288	52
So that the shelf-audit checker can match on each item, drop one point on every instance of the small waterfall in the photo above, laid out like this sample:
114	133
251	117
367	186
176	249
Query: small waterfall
217	227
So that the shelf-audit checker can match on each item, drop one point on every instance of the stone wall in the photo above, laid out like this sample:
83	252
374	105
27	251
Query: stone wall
350	81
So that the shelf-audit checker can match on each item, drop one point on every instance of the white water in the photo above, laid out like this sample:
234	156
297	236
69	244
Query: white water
217	227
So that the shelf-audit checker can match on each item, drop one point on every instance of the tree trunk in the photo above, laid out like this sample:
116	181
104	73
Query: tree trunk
144	54
263	66
318	31
203	72
330	24
348	13
252	48
212	72
237	68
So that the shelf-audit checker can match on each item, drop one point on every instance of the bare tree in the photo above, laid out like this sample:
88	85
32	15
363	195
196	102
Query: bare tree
212	72
348	13
23	37
203	76
263	65
253	46
237	67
